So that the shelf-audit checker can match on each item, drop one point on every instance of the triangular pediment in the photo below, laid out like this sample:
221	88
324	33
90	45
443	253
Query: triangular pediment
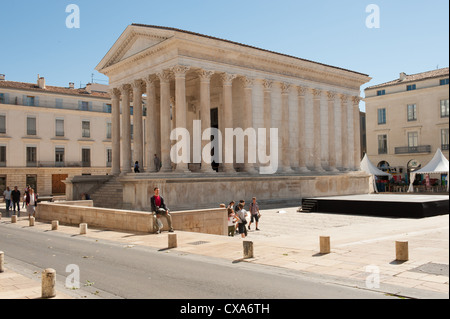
132	41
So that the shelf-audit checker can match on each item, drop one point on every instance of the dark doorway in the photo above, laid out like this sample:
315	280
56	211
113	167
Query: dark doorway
215	124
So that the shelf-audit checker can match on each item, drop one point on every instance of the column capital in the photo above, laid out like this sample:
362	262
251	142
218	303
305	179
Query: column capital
331	95
356	100
228	78
149	80
267	84
344	97
164	76
114	93
124	89
301	91
285	87
247	82
136	84
317	93
180	70
205	75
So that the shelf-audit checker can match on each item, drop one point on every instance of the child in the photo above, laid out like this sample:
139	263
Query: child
231	222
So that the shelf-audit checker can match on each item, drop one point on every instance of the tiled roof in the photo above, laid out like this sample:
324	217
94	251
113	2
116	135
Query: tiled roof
51	89
414	77
241	44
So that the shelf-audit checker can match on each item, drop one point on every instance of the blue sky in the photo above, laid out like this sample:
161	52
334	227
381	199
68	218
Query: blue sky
413	36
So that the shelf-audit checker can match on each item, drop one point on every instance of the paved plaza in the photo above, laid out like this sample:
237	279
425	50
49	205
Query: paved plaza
360	247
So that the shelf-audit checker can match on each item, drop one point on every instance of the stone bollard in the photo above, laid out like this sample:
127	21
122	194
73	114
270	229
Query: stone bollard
83	228
401	250
31	222
14	219
48	283
172	240
248	249
55	224
325	245
2	261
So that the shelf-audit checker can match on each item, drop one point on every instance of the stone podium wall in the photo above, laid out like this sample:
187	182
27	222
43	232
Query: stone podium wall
210	221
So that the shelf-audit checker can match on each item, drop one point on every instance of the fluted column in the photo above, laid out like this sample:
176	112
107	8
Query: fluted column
205	115
331	132
227	80
180	100
317	154
164	78
115	131
301	130
138	141
248	120
344	132
267	112
283	155
357	133
152	133
126	129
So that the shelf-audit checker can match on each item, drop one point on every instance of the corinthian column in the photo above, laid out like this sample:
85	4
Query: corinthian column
283	156
344	132
205	113
115	131
357	133
227	118
138	141
301	130
331	132
317	131
126	129
164	78
181	110
250	146
152	133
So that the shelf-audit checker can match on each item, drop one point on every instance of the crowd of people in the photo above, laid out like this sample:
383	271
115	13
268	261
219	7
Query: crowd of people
13	197
237	217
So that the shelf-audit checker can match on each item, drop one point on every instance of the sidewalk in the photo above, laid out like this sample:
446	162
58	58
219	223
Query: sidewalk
361	247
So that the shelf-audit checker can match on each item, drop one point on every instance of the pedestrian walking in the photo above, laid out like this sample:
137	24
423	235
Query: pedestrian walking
236	209
15	196
31	202
159	208
7	197
242	214
136	167
232	219
254	213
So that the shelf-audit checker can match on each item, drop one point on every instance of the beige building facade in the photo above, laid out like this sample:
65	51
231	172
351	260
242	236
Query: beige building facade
407	120
49	133
185	76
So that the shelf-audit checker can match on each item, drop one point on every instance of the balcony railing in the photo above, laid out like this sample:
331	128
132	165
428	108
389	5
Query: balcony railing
413	149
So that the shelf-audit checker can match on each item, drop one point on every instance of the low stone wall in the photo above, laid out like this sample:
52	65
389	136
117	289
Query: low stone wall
210	221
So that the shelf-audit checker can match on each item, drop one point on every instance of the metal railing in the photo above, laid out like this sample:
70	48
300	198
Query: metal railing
413	149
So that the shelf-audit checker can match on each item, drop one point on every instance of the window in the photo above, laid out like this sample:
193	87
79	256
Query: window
86	157
443	82
59	103
29	101
411	87
86	129
131	131
108	130
382	144
107	108
413	139
2	124
2	156
381	116
31	125
84	106
108	157
2	98
444	108
412	112
59	127
59	156
31	156
381	92
444	139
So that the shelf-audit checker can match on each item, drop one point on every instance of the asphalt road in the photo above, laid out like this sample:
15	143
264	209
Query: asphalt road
114	270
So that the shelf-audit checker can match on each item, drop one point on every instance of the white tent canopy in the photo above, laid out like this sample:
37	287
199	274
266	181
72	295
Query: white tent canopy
438	165
369	168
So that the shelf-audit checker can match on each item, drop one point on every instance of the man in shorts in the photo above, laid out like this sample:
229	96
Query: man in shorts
254	213
159	208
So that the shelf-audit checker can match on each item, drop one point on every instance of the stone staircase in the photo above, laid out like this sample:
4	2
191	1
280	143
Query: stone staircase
109	195
309	205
